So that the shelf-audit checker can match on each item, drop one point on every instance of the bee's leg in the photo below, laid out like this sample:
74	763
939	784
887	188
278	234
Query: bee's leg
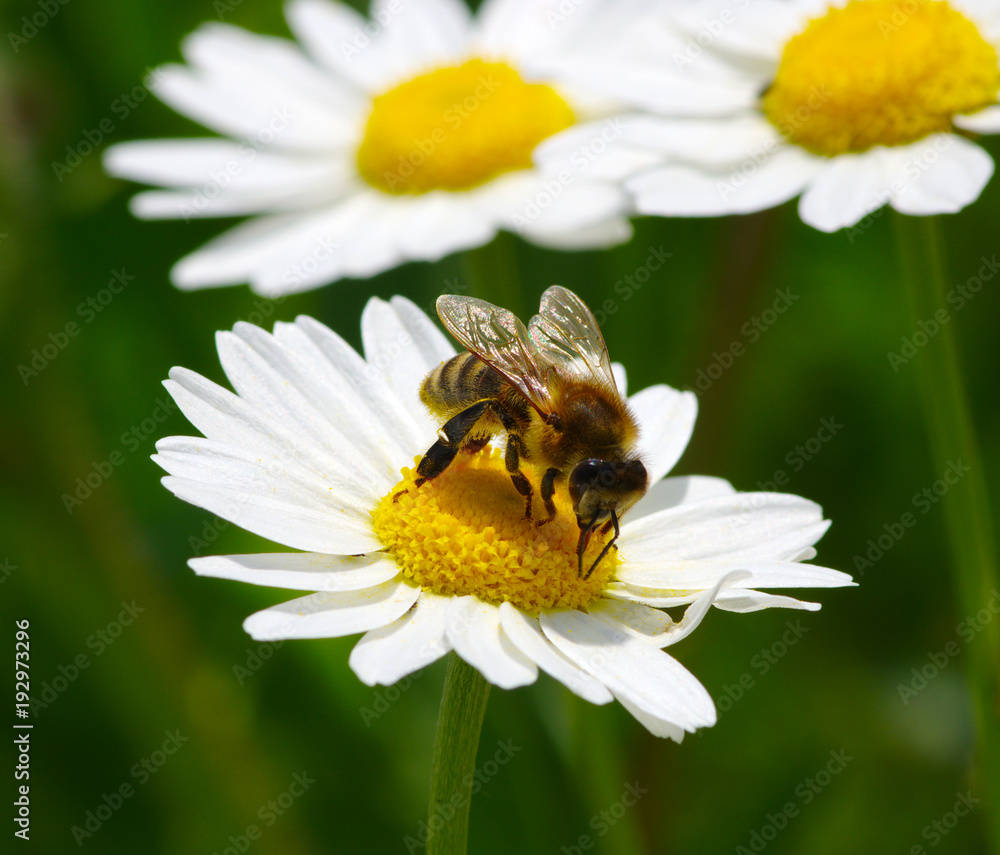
450	437
512	458
607	546
548	489
581	547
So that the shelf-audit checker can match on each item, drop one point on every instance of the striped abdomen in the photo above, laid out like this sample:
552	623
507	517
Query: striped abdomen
465	379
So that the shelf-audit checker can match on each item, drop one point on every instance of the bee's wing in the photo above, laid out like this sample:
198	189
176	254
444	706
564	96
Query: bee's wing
566	335
498	338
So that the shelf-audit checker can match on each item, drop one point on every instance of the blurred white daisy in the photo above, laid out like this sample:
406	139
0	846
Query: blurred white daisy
853	105
372	142
309	453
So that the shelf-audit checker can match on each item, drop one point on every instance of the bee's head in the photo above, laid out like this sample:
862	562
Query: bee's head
598	487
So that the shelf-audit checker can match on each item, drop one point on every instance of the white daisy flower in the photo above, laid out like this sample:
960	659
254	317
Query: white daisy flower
309	452
853	104
372	142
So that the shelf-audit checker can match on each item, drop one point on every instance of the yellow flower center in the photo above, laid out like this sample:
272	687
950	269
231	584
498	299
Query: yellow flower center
465	533
456	128
880	72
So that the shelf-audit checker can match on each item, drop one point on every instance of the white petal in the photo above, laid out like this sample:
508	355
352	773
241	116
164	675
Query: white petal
338	37
473	630
261	90
346	391
526	635
264	65
371	243
847	188
541	34
595	149
398	41
274	484
222	178
758	30
725	144
412	642
365	382
728	599
187	205
234	256
438	29
679	490
192	163
284	522
656	726
636	619
986	121
684	191
941	175
666	421
402	351
325	247
744	526
612	232
418	35
229	419
512	28
182	90
332	615
745	601
271	381
634	670
248	472
304	571
640	620
432	344
445	223
698	575
506	194
222	415
659	88
695	613
367	233
561	206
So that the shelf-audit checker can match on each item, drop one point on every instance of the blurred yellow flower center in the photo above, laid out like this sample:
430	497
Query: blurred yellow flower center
880	72
456	128
465	533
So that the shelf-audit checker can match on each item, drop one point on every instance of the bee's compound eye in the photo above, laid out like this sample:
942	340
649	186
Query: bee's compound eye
633	476
609	474
584	476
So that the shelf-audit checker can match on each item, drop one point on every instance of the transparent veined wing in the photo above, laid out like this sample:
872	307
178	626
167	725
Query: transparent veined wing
497	337
566	334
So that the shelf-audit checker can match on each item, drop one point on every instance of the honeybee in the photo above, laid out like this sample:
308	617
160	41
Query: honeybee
550	388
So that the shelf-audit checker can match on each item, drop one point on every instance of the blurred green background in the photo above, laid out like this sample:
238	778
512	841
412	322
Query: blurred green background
167	662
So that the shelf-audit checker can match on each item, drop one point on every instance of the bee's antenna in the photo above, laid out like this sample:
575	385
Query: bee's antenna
607	546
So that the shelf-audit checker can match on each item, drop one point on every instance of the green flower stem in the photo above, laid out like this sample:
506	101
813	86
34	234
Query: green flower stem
600	763
967	508
493	274
463	704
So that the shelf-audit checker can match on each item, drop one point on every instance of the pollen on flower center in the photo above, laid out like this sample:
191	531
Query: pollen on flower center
464	533
456	128
880	72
